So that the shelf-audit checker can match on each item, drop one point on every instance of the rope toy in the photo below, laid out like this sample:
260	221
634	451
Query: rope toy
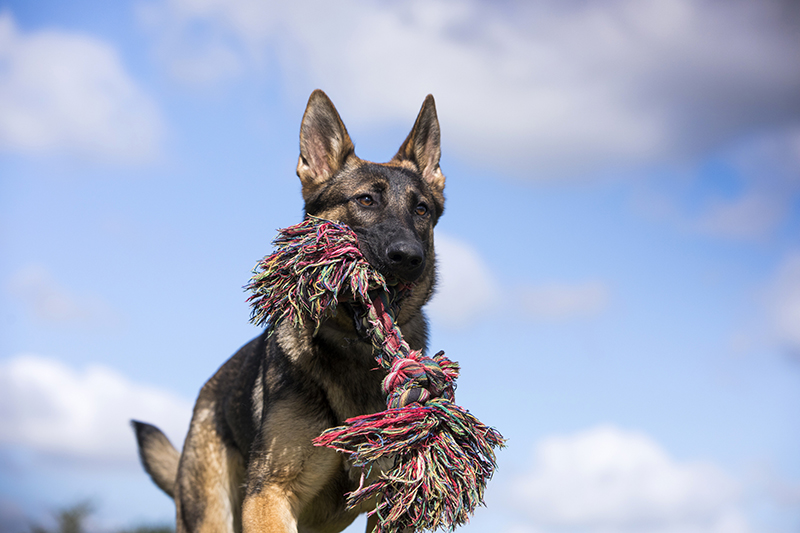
442	456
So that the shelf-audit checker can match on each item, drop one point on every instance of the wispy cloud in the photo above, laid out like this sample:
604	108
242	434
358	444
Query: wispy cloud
610	480
768	168
52	303
548	89
52	408
469	290
783	303
759	187
564	301
68	93
752	216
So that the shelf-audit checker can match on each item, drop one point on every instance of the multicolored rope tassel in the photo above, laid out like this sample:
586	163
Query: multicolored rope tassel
442	455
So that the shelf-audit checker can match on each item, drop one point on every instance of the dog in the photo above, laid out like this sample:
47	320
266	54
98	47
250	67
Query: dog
248	463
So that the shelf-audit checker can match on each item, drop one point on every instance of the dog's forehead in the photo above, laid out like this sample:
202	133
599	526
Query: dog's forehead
395	178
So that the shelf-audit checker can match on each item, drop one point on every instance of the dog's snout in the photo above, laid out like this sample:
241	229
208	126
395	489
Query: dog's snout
406	259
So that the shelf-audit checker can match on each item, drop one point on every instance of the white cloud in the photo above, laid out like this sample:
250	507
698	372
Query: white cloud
545	88
564	301
783	300
52	303
201	54
52	408
467	290
68	93
466	287
751	216
609	480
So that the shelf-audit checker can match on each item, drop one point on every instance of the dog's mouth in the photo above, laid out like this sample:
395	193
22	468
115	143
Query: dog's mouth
398	285
398	291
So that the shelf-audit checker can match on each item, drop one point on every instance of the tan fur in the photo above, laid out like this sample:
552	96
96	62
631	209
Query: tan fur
271	511
222	471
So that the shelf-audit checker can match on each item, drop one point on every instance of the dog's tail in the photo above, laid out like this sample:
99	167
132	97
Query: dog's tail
159	457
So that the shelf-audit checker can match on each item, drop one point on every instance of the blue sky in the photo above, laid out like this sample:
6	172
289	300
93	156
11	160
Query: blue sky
619	256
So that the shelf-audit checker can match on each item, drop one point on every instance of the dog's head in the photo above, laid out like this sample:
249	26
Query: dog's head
393	207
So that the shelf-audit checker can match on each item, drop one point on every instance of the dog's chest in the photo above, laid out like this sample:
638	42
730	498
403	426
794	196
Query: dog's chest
351	376
341	365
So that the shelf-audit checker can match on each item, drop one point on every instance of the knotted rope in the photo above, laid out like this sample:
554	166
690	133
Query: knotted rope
443	456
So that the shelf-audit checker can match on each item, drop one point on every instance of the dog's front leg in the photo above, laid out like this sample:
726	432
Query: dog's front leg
273	509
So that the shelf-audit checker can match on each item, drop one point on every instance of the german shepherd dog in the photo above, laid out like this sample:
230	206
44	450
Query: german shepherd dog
248	463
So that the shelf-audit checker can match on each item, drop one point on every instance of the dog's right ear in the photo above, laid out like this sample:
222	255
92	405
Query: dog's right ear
324	144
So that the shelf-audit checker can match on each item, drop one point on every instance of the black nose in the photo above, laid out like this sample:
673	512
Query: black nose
406	259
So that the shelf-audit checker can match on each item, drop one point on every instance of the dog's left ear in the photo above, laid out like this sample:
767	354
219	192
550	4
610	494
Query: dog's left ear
422	147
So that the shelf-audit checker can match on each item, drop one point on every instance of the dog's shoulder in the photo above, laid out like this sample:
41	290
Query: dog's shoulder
226	402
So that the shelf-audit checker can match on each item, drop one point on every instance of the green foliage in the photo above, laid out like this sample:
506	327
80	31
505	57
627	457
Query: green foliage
74	520
69	520
150	529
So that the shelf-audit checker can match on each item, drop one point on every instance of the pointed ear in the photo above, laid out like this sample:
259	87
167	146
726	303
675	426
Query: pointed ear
422	148
324	143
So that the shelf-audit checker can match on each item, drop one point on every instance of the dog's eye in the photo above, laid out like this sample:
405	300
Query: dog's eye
366	200
421	210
